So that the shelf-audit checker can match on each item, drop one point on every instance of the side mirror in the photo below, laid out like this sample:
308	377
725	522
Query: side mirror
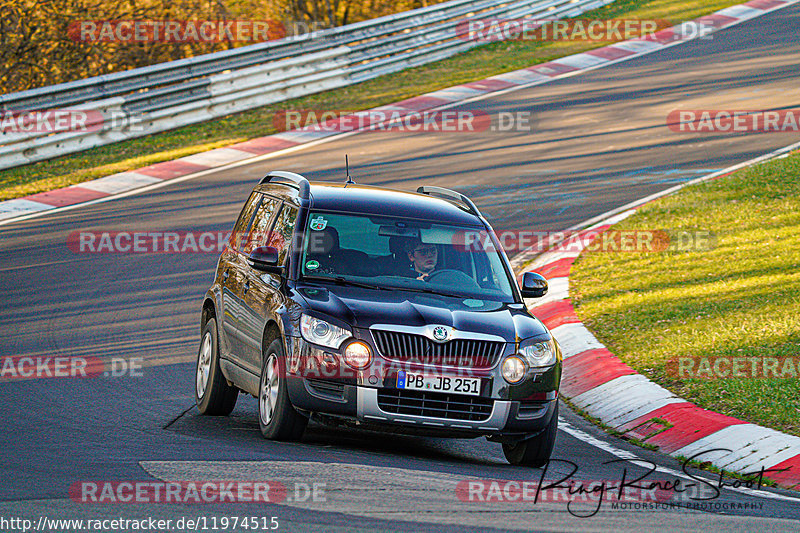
534	285
265	259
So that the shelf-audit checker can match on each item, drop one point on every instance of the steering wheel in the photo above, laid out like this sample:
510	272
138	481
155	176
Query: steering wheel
452	277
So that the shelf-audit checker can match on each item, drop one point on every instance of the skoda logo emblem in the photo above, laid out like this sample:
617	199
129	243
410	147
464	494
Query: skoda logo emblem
440	333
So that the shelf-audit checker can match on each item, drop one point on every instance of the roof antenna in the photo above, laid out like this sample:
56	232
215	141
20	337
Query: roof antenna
347	167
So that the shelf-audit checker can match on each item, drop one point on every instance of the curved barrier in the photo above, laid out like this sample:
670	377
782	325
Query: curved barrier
160	97
156	175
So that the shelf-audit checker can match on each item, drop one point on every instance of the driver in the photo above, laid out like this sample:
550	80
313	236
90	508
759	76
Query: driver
423	257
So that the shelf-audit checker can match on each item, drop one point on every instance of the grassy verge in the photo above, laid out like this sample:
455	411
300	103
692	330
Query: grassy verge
477	64
739	299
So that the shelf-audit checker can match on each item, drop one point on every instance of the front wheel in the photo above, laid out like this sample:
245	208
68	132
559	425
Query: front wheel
212	394
277	418
534	452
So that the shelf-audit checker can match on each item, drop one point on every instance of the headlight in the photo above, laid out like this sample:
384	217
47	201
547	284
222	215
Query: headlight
513	369
358	355
539	354
321	332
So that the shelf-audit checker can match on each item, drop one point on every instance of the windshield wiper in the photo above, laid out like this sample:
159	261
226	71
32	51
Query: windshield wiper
341	280
428	290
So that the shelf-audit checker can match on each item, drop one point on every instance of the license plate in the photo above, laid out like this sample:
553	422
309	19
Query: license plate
436	383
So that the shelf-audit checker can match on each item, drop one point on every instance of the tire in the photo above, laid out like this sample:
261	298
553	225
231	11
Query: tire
212	393
277	418
534	452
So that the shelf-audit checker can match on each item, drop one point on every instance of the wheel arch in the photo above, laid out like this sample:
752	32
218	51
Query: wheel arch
272	331
209	311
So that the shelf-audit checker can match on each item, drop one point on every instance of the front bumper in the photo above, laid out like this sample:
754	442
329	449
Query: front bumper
360	406
512	411
369	410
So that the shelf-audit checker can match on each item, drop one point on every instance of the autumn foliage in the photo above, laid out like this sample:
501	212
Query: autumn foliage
38	44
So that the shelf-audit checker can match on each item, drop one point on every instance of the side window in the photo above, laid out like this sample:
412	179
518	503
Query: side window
257	235
239	235
281	236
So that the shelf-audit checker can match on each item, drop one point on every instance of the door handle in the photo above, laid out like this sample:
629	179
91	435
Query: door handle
246	286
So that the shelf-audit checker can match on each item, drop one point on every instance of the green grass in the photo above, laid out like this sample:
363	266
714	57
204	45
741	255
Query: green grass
739	299
477	64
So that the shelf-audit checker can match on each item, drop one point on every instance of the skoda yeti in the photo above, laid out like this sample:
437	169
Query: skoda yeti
382	309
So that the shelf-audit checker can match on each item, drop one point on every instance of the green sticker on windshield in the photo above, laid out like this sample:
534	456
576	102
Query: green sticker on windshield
312	265
473	303
318	224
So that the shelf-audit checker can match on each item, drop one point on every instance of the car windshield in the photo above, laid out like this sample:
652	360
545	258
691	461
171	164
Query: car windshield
406	254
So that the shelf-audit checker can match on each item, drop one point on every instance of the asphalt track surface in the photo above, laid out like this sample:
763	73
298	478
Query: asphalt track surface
600	141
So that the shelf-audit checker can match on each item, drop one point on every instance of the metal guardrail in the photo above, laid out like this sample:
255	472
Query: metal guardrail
160	97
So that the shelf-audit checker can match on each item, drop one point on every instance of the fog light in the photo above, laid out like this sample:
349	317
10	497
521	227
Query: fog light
513	369
358	355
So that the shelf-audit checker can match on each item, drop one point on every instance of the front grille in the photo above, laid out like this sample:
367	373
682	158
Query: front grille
435	404
464	353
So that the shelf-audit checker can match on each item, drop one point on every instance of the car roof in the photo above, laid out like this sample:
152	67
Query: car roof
364	199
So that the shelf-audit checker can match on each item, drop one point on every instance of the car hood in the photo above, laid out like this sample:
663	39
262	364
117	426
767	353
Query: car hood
363	308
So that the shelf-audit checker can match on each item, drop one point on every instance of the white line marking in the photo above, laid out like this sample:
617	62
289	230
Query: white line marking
521	77
574	339
456	93
303	136
558	289
117	183
625	399
581	61
751	447
217	157
21	205
640	47
741	12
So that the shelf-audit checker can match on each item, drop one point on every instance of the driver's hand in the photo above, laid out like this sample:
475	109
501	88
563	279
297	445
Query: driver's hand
423	277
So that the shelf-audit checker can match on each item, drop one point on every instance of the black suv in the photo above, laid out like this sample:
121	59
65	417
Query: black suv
384	309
